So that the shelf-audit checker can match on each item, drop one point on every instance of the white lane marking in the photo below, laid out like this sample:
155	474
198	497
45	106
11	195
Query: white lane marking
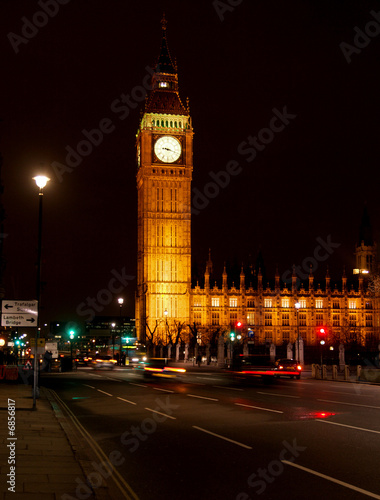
350	394
89	386
281	395
126	400
345	425
108	394
349	404
230	388
164	390
223	437
164	414
138	385
332	479
201	397
114	379
259	408
207	378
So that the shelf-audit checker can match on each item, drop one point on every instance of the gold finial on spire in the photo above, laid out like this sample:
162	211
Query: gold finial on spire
164	22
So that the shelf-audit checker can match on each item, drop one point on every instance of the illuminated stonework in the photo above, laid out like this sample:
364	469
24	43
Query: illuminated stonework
164	205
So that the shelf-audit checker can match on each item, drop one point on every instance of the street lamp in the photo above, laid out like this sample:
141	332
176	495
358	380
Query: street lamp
166	325
41	181
121	302
297	305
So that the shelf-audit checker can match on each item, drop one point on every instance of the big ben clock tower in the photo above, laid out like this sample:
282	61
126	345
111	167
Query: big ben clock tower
164	172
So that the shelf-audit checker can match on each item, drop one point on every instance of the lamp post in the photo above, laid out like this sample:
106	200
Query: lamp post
166	326
297	305
121	302
41	182
113	339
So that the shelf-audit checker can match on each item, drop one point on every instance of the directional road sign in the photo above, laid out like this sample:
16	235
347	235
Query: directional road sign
19	312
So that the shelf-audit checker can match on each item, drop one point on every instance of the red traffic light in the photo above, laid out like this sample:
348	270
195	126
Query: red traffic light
322	331
238	324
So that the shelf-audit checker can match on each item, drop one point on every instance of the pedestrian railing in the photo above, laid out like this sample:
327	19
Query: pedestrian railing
345	372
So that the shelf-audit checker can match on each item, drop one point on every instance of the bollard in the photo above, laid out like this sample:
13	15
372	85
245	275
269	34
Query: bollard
317	372
346	372
358	372
334	372
324	372
313	371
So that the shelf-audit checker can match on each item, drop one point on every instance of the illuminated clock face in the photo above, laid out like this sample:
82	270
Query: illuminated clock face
168	149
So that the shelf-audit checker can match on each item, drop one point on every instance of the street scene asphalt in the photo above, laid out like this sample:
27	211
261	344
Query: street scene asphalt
45	453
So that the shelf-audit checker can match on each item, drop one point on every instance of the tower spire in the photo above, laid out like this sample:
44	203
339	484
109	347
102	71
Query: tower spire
366	248
165	62
164	95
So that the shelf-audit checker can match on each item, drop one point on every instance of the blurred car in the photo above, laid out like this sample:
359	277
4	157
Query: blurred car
288	368
161	367
103	361
82	360
254	366
136	361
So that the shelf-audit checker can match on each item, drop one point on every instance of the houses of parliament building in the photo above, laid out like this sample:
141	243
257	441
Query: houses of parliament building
166	296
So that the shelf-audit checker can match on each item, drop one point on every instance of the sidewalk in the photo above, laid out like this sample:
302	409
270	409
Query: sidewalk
47	465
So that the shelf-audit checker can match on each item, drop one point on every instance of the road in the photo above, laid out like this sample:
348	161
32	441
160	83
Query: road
207	436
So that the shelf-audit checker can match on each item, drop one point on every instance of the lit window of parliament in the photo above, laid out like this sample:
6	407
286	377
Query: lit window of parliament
165	298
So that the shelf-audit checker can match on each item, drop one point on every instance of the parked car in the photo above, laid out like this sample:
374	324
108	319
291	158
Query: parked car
103	361
288	368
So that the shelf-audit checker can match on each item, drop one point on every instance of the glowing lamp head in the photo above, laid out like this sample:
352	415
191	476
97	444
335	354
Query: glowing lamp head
238	324
41	180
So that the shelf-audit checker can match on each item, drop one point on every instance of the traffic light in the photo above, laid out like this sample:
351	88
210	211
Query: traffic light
239	326
322	334
72	334
232	336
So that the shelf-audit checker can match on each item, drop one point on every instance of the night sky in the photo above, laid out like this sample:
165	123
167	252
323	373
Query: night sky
239	66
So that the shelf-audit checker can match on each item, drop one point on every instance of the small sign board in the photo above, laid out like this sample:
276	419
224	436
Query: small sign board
19	312
53	348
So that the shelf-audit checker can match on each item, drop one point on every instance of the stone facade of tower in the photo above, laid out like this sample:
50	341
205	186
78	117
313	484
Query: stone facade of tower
165	162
